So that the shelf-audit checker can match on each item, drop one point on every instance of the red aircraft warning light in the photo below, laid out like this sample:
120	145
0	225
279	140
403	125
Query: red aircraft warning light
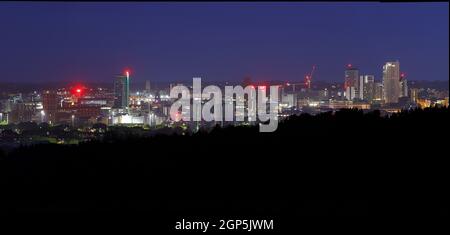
78	90
127	72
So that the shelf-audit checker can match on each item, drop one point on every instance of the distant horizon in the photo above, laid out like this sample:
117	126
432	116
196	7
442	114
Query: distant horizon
221	41
178	81
140	86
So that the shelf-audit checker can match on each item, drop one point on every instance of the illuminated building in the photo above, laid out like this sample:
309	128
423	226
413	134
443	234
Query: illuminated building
122	91
93	101
302	102
368	87
378	94
391	82
153	119
423	103
344	105
21	112
351	83
127	119
87	111
350	93
360	89
324	93
443	102
403	87
50	106
288	100
414	95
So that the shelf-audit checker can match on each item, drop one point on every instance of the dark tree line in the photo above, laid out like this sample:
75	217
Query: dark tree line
342	163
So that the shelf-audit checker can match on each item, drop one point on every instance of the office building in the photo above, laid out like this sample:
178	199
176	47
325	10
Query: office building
350	93
368	87
414	95
391	82
403	87
351	83
378	92
50	104
122	91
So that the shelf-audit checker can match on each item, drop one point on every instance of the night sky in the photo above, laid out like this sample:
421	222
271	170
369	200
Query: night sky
42	42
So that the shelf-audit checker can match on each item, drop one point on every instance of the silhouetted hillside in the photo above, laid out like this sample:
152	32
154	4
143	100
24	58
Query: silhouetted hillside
347	163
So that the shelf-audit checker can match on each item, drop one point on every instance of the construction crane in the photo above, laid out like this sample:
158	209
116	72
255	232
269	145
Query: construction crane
308	78
306	83
294	85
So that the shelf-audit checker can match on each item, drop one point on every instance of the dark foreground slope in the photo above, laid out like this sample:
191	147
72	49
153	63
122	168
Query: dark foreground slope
347	163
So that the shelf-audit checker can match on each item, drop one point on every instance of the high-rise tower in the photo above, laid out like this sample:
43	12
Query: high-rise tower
122	91
351	84
391	82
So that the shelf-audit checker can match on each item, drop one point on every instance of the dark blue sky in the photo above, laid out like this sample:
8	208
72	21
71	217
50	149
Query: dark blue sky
220	41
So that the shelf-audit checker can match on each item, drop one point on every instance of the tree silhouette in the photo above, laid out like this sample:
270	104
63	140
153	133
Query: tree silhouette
379	161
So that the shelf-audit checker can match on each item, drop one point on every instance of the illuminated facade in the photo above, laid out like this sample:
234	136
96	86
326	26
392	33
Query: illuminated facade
378	92
122	91
350	93
368	87
50	103
351	84
391	82
403	87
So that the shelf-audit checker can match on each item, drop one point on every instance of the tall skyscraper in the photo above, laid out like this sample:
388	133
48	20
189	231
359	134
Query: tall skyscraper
122	91
368	87
361	88
391	82
351	84
50	106
403	86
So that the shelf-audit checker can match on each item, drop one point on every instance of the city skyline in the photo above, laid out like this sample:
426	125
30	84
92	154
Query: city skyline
220	41
222	117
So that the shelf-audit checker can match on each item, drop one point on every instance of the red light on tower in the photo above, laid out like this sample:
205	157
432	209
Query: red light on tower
78	90
349	65
127	72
